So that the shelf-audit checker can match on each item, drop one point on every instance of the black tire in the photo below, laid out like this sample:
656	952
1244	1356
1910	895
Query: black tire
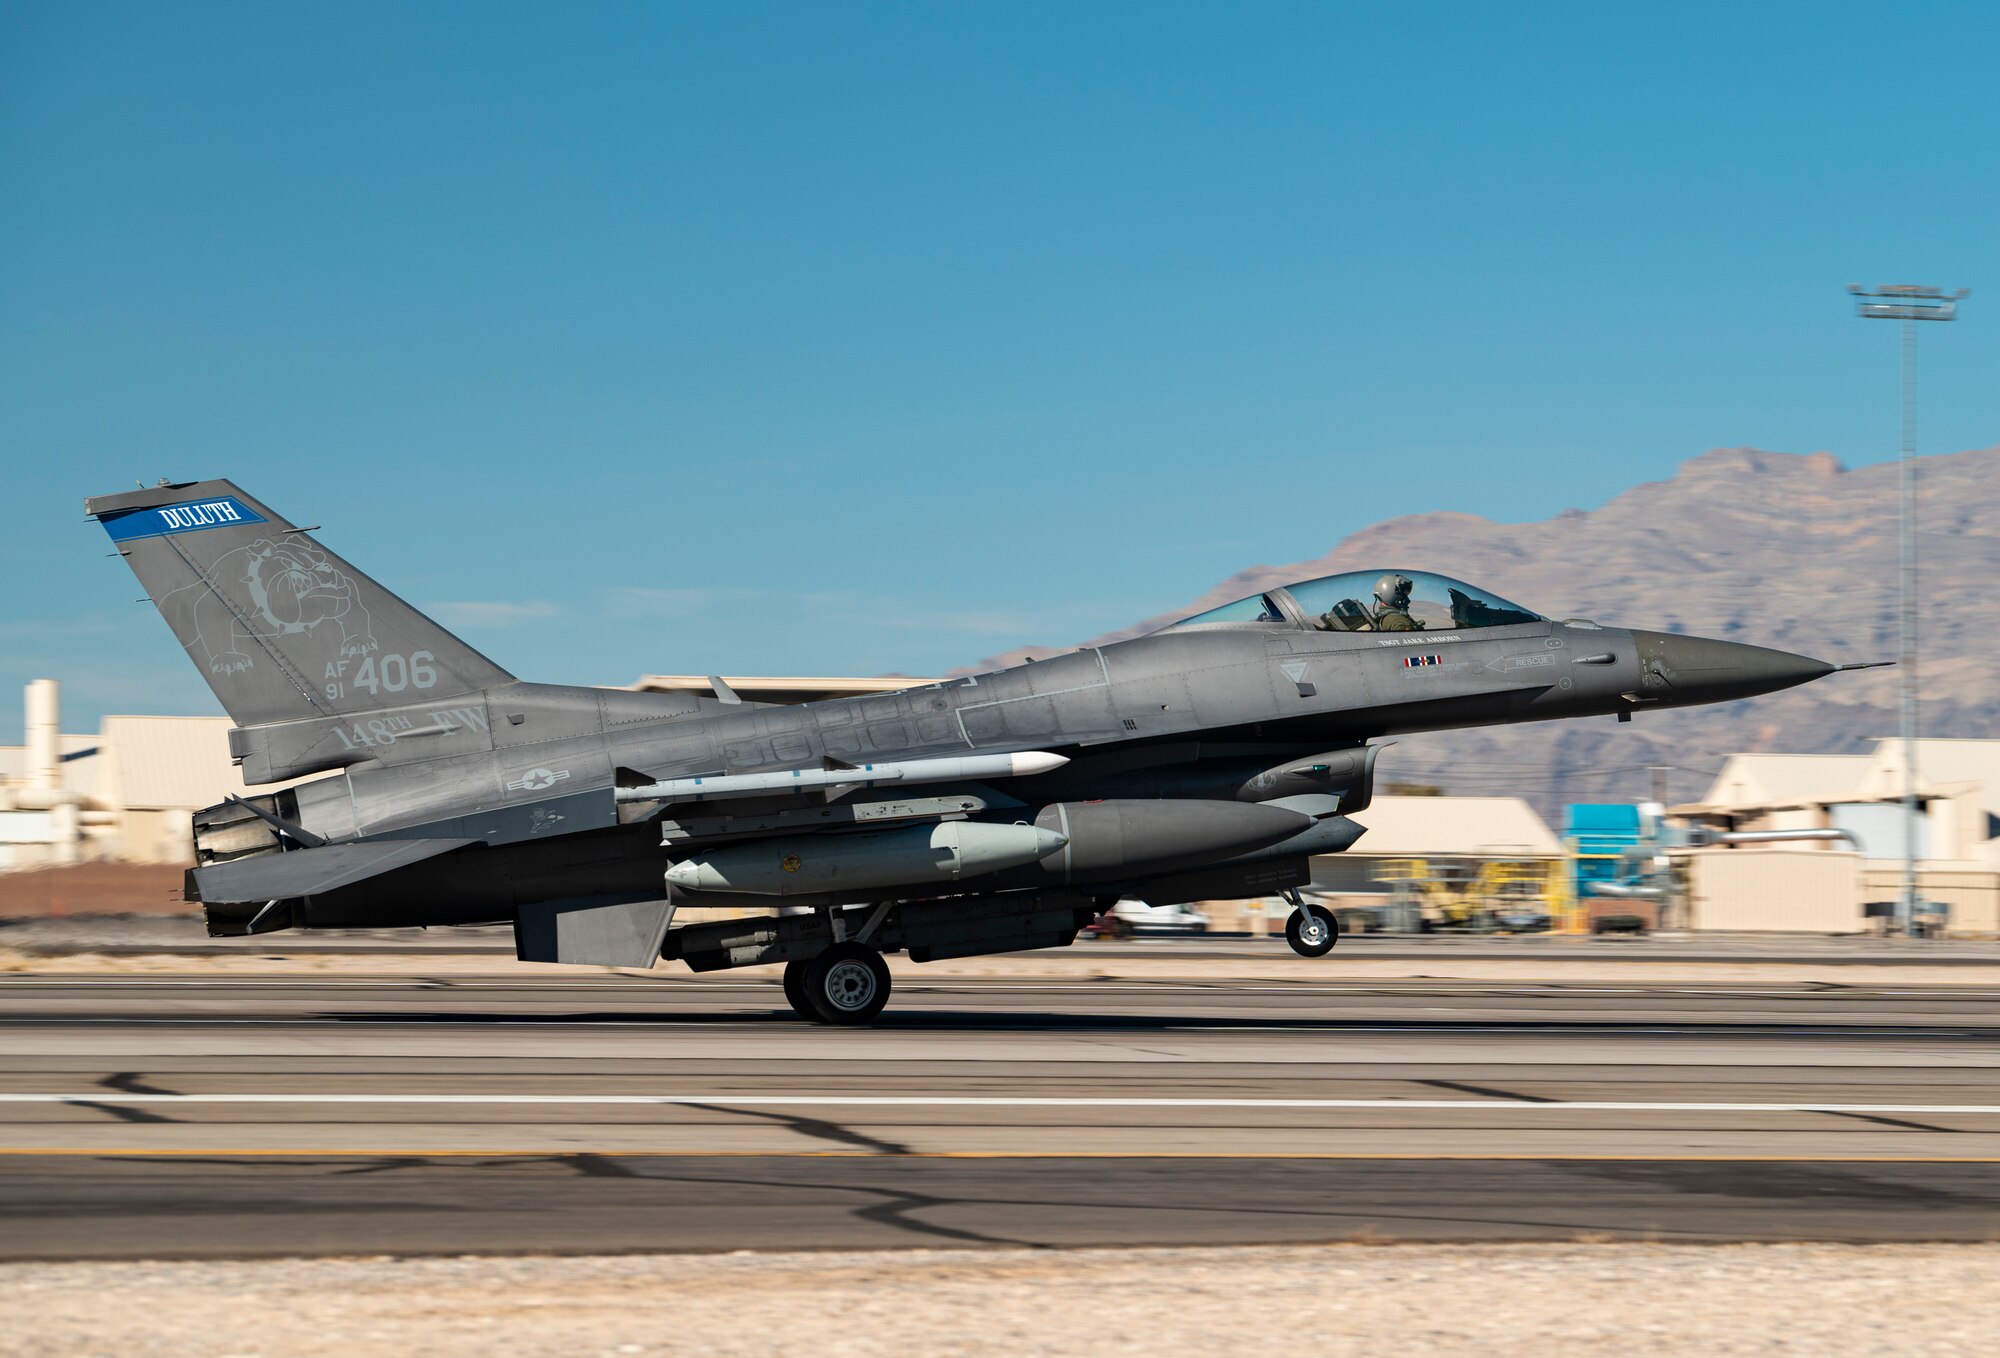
795	991
1293	932
847	984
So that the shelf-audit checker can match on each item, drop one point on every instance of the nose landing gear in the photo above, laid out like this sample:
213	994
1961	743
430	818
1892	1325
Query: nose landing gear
1311	930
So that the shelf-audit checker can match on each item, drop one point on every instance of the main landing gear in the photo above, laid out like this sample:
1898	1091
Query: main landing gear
848	983
1312	930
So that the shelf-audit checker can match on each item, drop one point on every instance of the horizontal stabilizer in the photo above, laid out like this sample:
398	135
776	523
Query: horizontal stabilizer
313	872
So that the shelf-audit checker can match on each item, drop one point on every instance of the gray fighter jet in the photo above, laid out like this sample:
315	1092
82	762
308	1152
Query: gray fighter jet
988	814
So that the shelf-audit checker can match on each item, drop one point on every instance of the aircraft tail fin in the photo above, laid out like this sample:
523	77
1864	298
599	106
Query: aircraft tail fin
280	627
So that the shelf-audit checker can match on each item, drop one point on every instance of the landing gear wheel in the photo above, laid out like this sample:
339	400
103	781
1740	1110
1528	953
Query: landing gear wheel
795	991
847	984
1312	931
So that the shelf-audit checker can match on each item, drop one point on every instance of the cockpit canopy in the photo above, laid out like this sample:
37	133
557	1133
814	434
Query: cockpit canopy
1371	601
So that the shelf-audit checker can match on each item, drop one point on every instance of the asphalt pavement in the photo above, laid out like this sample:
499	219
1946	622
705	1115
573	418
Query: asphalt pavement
190	1115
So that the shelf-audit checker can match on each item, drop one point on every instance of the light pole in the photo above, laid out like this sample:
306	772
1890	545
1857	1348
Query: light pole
1908	303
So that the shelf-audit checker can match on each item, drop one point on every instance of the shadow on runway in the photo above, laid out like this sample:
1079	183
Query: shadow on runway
223	1205
1777	1183
964	1021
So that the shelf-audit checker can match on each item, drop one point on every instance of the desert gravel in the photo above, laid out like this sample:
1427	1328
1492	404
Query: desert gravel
1493	1301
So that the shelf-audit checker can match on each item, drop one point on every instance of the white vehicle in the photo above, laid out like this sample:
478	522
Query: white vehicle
1136	917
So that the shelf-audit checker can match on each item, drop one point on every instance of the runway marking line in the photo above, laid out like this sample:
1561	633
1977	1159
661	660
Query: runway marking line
101	1097
548	1153
1498	1026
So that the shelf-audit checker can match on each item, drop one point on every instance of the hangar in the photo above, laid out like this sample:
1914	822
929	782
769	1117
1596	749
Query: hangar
1826	886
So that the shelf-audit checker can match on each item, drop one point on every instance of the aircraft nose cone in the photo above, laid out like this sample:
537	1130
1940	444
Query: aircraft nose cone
1678	670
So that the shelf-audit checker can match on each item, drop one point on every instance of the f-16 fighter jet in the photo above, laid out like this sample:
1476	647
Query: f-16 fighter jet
988	814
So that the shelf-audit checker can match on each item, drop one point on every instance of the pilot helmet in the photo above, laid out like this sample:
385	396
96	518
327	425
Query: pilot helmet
1394	590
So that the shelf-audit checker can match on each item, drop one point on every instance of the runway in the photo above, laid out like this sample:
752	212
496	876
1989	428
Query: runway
338	1112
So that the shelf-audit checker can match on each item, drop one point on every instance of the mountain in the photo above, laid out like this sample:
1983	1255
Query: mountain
1777	549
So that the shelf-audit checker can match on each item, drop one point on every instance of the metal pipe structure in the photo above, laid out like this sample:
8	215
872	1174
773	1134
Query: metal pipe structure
1908	303
1778	836
1622	891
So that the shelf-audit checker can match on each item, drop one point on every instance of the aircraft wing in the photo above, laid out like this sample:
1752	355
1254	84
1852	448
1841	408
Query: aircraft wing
309	872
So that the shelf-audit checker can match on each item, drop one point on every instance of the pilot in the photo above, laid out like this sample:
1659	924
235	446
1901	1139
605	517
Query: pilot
1392	604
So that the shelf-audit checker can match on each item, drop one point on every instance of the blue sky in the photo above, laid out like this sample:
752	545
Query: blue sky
844	339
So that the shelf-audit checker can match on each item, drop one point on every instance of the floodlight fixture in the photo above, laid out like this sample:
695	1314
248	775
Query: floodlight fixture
1907	302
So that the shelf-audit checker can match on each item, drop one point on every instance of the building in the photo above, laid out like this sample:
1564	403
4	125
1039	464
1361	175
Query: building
45	785
157	771
122	795
1859	799
1601	836
1958	797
